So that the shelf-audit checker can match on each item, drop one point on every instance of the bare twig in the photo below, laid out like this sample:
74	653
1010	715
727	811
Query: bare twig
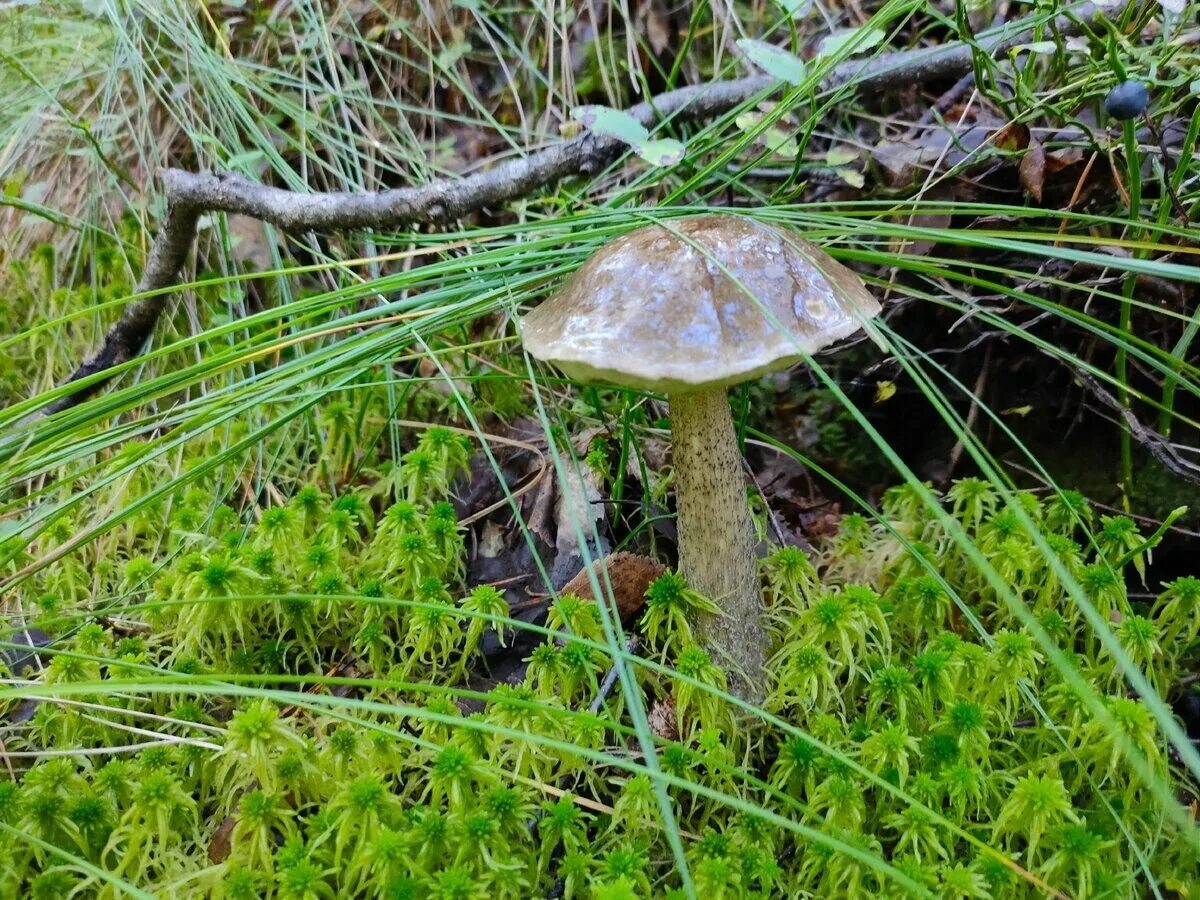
942	105
190	195
1147	438
972	414
126	337
966	83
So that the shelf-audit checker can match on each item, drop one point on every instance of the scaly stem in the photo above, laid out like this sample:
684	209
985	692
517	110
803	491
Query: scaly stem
716	534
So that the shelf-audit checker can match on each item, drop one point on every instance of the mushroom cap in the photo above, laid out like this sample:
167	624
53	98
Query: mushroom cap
700	302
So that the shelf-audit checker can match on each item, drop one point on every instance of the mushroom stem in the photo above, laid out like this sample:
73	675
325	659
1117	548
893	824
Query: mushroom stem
716	534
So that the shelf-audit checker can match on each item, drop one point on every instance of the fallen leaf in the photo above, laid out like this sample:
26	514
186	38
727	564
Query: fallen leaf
491	540
840	156
1013	136
774	139
655	453
884	390
629	574
775	61
539	511
23	650
653	21
852	177
222	841
904	159
662	719
611	122
863	40
578	510
791	495
660	152
500	551
1043	48
1032	171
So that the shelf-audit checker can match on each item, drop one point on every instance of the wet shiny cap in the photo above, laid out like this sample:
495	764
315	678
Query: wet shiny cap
700	302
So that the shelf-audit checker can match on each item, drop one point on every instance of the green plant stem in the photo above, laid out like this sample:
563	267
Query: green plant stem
1180	350
1151	542
1133	164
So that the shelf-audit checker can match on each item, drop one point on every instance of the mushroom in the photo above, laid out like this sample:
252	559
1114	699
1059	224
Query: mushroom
688	308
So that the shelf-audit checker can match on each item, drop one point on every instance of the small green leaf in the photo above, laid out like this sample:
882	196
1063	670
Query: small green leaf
840	156
774	61
618	124
852	177
837	158
774	139
747	120
612	123
660	152
780	142
862	39
1043	48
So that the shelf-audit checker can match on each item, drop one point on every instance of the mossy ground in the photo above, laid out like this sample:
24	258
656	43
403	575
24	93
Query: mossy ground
276	705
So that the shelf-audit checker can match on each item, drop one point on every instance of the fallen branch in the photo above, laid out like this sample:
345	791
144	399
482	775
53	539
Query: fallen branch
1159	447
191	195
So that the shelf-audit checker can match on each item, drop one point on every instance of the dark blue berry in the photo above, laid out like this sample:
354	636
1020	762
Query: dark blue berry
1126	100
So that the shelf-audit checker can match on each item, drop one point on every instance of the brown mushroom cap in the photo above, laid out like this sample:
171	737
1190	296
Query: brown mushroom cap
689	304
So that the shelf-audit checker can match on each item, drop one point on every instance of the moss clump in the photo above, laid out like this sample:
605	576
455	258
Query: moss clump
919	731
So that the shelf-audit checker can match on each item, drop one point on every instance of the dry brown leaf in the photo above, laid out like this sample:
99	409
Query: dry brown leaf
540	510
1013	136
652	18
579	509
1033	171
222	841
629	573
903	161
914	156
663	721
